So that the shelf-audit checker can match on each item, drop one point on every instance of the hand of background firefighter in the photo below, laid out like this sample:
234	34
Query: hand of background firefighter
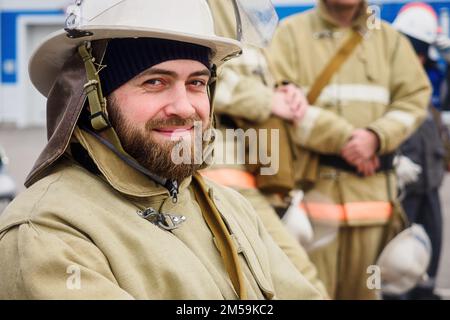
360	151
289	103
368	167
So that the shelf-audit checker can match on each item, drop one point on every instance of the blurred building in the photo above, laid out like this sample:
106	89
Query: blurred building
24	23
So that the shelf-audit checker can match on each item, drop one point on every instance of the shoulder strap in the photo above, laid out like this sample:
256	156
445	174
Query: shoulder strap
223	238
335	63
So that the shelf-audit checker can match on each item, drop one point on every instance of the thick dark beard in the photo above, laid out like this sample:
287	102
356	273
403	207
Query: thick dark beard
153	155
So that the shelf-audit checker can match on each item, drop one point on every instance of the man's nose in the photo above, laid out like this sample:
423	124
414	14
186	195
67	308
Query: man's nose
180	105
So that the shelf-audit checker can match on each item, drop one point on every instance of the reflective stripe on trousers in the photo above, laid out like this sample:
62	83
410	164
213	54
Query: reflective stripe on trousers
370	210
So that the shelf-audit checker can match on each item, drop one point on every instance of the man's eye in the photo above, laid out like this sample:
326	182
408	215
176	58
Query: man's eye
154	82
198	83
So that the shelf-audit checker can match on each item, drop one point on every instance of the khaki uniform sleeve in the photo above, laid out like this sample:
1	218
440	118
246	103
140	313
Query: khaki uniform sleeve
410	96
237	94
291	248
36	264
242	96
322	131
282	54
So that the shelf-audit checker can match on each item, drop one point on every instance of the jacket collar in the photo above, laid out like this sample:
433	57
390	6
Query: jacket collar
358	23
117	173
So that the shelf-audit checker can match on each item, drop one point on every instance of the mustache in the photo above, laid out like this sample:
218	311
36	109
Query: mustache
153	124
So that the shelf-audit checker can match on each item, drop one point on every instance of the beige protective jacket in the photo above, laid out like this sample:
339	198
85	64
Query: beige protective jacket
381	86
77	235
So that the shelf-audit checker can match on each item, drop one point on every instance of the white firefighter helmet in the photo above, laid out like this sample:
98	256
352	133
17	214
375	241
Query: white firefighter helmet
187	21
404	261
418	20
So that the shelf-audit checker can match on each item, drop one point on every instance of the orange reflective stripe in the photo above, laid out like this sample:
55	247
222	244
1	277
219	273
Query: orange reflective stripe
368	210
231	177
375	210
324	211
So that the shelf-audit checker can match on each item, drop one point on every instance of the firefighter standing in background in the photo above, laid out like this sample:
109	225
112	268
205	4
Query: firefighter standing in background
377	98
246	92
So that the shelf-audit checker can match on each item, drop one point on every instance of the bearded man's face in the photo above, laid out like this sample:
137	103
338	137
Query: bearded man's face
156	110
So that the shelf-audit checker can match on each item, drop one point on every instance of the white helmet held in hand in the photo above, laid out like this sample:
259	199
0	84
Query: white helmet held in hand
404	261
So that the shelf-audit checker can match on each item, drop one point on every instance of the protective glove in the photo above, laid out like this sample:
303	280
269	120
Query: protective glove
406	170
296	220
442	43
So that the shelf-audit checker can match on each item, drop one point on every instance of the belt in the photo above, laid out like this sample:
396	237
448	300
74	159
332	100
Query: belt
386	163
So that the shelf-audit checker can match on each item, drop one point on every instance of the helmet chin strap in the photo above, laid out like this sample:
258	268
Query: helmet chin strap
97	102
100	122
